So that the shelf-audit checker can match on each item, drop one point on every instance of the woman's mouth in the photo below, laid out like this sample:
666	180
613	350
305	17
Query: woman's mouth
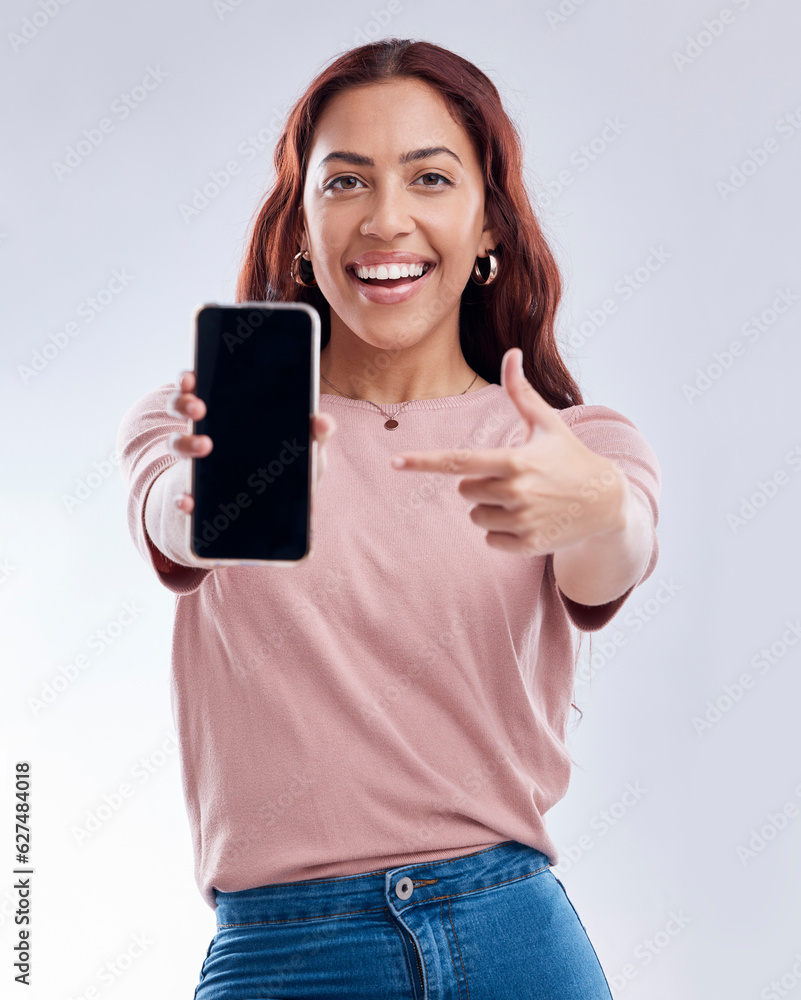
390	275
376	285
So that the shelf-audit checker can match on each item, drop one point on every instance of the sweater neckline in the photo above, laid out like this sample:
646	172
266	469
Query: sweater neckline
436	403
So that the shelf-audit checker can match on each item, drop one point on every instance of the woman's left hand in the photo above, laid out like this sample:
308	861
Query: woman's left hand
546	494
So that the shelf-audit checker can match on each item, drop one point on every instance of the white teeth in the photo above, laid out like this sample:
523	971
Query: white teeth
383	272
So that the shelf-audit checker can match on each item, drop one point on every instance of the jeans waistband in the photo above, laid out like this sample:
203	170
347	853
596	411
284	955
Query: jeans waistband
405	886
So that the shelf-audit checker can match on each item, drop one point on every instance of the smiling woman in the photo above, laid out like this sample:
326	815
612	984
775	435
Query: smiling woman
370	740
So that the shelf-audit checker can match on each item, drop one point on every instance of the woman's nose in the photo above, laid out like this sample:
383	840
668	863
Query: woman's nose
389	214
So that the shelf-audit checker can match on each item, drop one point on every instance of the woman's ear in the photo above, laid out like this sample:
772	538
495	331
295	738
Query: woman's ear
489	240
300	230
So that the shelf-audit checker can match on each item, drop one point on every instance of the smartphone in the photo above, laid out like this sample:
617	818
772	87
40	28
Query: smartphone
257	371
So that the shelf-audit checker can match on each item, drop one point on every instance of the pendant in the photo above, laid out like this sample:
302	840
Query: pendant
391	425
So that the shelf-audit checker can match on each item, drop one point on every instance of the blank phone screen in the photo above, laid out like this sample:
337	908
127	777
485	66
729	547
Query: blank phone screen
255	368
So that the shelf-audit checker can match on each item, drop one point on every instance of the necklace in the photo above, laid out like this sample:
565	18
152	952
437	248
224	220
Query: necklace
391	423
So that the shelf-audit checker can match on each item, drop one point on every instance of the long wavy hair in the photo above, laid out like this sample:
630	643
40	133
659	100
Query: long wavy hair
519	308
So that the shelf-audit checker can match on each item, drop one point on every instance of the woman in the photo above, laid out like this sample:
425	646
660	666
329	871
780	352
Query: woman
370	740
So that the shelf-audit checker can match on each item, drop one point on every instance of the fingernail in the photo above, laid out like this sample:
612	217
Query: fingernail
398	462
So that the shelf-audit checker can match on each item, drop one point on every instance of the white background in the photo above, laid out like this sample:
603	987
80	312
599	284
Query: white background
673	904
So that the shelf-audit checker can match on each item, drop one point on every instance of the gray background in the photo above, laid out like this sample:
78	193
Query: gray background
671	904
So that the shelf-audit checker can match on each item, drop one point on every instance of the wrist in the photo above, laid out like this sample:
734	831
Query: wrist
620	510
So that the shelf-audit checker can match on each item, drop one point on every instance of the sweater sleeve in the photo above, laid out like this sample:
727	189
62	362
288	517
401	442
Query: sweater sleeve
153	476
607	432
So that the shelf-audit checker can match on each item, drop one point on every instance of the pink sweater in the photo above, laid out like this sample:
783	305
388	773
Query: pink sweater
402	695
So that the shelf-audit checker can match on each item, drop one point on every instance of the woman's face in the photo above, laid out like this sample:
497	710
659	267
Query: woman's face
391	174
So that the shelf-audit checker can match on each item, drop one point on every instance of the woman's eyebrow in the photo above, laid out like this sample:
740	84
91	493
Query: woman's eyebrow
357	160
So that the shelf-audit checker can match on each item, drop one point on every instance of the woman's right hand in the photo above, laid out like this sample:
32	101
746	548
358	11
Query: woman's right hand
185	404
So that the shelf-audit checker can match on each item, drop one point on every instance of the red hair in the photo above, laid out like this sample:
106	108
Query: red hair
519	308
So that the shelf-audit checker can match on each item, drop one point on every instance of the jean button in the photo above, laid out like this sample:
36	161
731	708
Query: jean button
404	888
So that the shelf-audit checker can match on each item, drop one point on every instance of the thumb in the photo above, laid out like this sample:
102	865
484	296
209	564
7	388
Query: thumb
537	414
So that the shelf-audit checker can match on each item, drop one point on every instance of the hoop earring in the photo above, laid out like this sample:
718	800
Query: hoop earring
493	274
296	269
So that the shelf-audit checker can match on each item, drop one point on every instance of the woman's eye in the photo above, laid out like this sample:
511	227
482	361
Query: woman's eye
345	177
431	174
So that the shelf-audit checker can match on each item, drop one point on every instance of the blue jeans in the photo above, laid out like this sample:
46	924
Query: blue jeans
493	925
